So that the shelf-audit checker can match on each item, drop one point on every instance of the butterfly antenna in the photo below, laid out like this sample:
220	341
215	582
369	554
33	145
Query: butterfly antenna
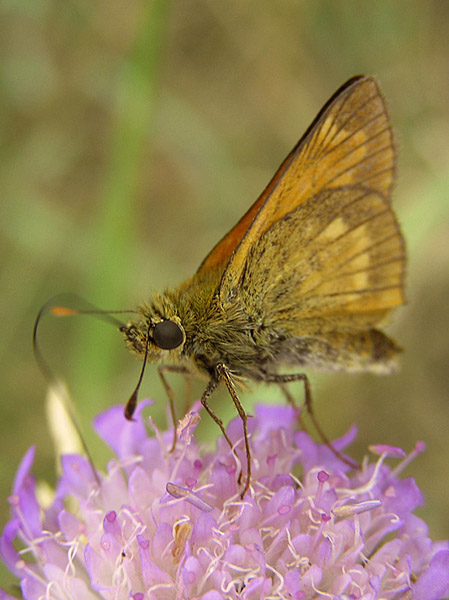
59	390
132	402
61	310
59	307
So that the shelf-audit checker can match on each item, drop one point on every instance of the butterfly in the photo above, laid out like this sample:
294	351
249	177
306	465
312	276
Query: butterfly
304	280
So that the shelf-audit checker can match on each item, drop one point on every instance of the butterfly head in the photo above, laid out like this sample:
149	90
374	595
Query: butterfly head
156	333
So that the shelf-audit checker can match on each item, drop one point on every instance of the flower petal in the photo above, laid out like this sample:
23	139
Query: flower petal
433	584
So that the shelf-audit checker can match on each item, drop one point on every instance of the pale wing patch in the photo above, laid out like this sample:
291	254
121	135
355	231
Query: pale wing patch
336	157
335	229
347	244
361	271
340	253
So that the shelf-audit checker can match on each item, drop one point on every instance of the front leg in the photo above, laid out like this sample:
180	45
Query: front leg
171	397
211	387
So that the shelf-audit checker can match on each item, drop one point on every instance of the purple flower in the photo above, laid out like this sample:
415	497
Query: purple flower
160	525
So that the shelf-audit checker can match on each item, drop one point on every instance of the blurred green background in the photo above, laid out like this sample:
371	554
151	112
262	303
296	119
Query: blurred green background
135	134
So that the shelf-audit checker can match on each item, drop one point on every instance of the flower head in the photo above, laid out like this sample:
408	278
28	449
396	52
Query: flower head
161	526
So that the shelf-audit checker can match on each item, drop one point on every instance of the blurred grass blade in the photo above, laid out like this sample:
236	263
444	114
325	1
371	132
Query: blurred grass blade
114	224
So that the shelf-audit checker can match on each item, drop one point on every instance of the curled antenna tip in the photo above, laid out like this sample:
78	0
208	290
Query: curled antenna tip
131	406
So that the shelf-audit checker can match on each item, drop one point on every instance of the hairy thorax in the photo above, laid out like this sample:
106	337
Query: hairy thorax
212	333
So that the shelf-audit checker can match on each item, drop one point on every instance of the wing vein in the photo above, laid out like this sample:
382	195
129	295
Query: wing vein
363	160
351	114
372	267
342	125
352	134
370	290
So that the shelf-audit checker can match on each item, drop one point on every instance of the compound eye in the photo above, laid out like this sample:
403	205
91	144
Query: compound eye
167	335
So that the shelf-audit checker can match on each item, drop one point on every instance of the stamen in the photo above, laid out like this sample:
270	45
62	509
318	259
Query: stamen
349	510
177	491
418	449
387	450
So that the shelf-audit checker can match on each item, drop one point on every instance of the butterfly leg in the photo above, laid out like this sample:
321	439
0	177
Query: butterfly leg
170	394
290	400
282	380
211	387
225	375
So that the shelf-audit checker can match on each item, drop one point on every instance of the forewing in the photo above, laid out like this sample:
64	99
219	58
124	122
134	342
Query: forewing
349	143
335	262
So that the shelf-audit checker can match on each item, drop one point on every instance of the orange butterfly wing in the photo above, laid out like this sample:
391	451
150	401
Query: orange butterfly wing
349	143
